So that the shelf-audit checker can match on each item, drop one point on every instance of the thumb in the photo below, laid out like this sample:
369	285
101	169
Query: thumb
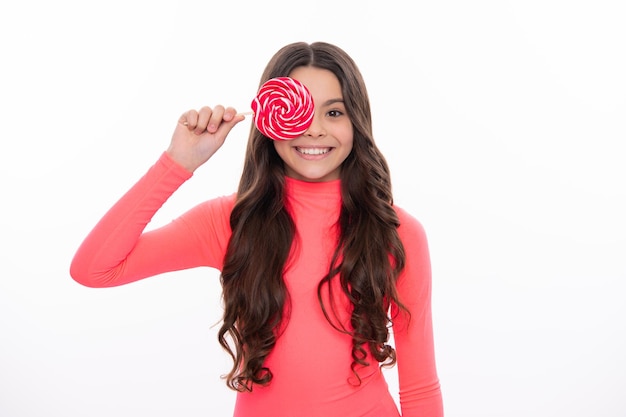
227	125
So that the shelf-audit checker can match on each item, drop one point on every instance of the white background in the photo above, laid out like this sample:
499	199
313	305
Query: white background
504	126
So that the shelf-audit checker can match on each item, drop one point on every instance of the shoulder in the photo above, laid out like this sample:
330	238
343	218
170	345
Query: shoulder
414	281
224	203
411	229
213	213
218	207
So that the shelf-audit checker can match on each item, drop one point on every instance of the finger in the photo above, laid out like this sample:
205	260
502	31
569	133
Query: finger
216	119
189	119
229	114
204	116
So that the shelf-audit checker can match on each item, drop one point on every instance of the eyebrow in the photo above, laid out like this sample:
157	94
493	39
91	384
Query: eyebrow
332	101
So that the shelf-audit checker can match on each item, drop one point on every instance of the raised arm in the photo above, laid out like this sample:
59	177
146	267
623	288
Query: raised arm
117	250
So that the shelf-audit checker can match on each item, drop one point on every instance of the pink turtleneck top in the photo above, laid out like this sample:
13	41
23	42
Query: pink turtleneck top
311	360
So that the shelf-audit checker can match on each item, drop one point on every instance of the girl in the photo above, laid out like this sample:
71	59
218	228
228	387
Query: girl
317	264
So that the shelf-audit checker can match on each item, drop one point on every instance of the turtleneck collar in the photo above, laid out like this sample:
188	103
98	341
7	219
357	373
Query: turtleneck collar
315	201
325	188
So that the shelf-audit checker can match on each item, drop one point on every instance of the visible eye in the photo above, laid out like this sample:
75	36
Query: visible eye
335	113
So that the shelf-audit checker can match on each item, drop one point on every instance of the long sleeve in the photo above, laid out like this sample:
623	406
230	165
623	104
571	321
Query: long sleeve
118	251
420	393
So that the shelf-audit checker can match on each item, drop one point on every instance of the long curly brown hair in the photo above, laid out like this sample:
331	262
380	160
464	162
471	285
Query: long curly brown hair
368	257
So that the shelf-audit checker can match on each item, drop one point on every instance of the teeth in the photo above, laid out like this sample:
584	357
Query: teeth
313	151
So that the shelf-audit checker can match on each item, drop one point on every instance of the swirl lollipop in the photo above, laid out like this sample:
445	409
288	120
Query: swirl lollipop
283	108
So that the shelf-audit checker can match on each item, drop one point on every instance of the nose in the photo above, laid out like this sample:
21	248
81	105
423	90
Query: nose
316	129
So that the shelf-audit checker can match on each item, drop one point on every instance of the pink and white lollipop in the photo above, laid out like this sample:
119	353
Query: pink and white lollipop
283	108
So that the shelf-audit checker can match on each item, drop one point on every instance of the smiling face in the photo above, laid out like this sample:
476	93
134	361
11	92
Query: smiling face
317	155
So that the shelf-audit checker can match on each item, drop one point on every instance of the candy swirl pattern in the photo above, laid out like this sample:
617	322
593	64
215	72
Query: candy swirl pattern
283	108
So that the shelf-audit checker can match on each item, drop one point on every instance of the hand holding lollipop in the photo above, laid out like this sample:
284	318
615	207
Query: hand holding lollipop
283	108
